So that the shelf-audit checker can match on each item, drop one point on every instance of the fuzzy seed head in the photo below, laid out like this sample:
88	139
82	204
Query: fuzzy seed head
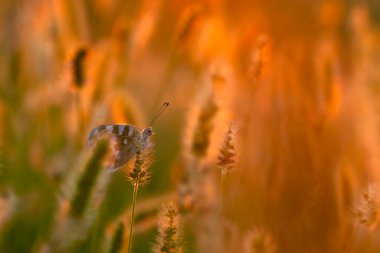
190	19
138	169
226	157
78	65
257	58
202	132
367	209
168	239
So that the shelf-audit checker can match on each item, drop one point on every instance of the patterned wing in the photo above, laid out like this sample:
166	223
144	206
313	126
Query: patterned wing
124	139
122	156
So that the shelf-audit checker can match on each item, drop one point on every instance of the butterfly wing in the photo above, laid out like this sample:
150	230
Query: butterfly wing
123	155
124	139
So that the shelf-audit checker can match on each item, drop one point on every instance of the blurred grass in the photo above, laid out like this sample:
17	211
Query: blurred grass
313	121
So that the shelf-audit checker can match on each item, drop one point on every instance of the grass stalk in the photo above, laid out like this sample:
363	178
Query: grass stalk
135	189
347	247
87	181
222	179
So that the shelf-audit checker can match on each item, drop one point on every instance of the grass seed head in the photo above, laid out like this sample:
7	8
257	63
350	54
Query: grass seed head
78	66
366	211
138	169
205	125
226	157
168	239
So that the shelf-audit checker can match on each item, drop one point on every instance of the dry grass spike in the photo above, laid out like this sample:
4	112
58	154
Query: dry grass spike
226	157
168	239
138	169
205	125
138	174
78	67
367	210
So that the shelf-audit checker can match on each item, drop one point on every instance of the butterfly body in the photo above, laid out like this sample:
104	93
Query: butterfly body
126	140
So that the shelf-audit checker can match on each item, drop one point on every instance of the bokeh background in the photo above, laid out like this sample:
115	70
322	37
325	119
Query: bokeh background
297	82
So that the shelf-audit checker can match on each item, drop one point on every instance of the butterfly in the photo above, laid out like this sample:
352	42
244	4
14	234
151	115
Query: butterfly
126	140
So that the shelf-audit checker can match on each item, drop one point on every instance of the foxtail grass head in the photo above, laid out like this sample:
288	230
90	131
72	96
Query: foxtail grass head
226	157
168	239
366	212
137	170
78	67
203	129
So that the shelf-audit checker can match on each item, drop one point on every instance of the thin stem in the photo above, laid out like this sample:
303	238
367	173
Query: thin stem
350	239
80	114
135	188
248	119
223	175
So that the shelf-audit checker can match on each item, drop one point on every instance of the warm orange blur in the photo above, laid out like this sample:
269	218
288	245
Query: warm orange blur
295	81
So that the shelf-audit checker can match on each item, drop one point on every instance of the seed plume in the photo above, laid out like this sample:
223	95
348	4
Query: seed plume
138	169
367	209
226	157
168	239
78	65
205	125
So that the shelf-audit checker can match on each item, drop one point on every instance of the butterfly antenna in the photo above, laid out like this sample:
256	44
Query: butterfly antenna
160	111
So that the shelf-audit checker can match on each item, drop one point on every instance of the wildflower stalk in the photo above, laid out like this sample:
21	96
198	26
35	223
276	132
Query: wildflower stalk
135	189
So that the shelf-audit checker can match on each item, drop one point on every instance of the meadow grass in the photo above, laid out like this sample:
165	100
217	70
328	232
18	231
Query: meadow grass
271	143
